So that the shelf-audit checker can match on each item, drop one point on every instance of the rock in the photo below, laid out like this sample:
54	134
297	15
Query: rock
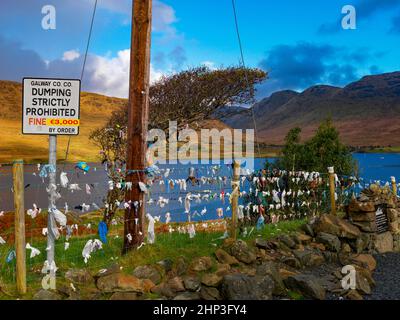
180	266
227	243
284	273
124	296
192	283
362	216
271	269
211	280
394	227
362	243
288	241
241	251
147	272
201	264
164	290
384	242
301	238
147	285
317	245
308	230
79	276
167	264
248	270
392	214
365	273
353	295
307	285
309	258
396	242
209	293
225	258
366	226
356	207
332	224
46	295
292	262
243	287
345	248
176	284
362	284
366	261
330	257
68	292
188	296
119	282
262	244
330	241
115	268
222	269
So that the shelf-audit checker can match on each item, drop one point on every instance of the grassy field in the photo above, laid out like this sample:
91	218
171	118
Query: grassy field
167	245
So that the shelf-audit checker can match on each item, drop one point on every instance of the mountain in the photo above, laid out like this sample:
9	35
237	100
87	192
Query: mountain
366	112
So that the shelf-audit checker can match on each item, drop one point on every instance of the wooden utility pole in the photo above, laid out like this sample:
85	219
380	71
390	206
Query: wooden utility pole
20	251
331	172
235	197
138	113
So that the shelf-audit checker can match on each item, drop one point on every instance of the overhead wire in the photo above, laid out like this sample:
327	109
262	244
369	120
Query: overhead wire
83	67
245	72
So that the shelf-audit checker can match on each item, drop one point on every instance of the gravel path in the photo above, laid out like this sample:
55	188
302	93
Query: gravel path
387	278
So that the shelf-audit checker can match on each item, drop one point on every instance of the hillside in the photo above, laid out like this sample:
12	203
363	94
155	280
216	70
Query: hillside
366	112
95	110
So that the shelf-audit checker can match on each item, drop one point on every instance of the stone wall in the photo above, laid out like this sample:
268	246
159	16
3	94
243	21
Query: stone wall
362	213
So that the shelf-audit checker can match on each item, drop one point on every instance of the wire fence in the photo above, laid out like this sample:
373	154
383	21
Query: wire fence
185	213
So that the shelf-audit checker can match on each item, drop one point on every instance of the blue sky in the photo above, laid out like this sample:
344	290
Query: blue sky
301	43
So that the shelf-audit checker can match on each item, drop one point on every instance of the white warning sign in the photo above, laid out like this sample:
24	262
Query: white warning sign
51	106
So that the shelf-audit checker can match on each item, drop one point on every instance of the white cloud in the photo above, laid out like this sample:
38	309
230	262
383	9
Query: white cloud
110	76
209	64
71	55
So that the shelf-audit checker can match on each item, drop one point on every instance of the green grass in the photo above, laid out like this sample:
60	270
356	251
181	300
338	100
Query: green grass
169	246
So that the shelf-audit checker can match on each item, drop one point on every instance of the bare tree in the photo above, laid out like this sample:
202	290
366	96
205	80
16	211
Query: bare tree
185	97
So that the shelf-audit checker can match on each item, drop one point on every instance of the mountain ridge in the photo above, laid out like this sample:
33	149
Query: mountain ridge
366	112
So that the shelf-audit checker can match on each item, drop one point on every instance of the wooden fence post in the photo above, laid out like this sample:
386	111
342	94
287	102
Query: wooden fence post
20	250
331	172
235	197
394	186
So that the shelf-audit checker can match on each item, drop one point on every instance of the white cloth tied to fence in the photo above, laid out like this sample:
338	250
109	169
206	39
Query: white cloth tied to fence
2	241
191	231
49	267
34	252
33	212
90	247
187	203
64	179
150	229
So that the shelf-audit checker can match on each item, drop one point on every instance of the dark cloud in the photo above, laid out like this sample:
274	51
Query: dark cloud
302	65
364	8
16	62
177	57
